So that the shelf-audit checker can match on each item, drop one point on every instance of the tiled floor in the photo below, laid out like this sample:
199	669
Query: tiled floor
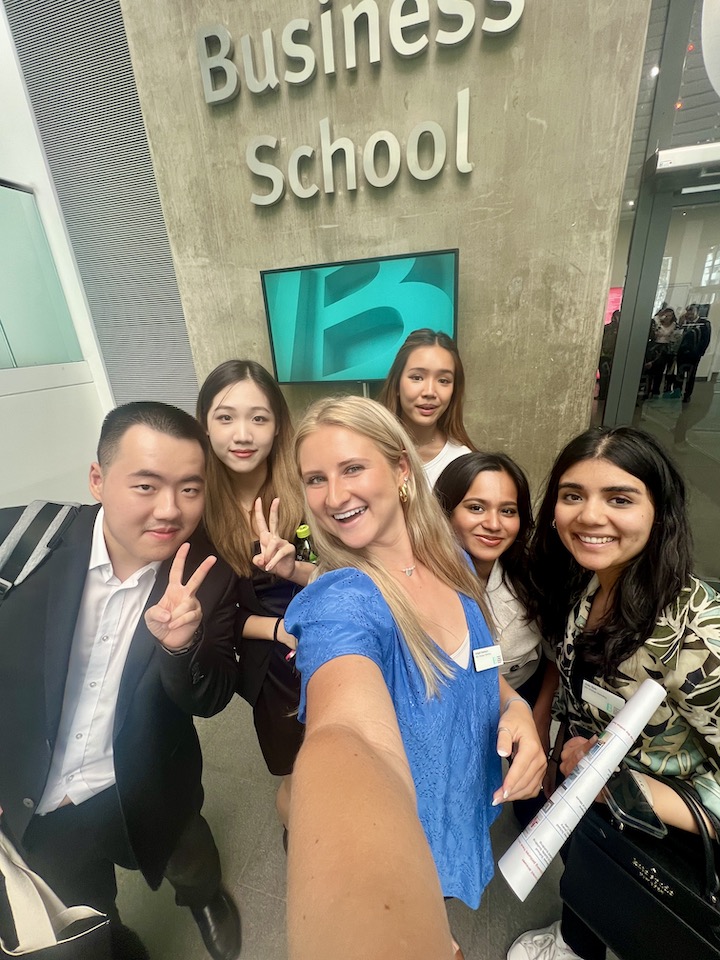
239	805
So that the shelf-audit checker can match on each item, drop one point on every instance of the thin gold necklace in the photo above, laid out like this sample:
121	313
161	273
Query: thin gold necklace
425	443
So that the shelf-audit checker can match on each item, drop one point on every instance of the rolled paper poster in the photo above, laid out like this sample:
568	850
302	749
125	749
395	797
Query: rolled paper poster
532	853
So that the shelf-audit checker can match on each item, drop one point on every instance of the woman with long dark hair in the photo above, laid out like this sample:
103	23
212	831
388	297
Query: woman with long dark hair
486	497
613	588
251	479
425	389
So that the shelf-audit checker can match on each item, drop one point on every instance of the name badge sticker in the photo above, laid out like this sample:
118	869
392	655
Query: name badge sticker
609	703
487	657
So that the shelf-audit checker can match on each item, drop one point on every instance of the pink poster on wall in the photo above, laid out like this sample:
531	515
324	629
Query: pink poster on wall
613	302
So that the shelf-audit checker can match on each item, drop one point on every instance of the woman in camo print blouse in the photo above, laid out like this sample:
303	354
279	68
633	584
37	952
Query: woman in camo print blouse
611	567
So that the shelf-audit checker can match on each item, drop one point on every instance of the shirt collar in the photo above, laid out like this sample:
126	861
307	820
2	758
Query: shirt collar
100	558
585	603
495	578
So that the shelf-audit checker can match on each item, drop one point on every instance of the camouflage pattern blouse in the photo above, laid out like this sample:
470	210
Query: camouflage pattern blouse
682	738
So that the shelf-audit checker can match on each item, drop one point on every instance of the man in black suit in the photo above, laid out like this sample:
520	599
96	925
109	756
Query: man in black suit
105	656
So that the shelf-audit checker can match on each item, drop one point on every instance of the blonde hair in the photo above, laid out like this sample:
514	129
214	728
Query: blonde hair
227	523
431	537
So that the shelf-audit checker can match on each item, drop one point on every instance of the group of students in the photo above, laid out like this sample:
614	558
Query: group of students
395	689
390	669
674	351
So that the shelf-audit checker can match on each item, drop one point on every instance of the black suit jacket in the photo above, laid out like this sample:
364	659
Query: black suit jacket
157	756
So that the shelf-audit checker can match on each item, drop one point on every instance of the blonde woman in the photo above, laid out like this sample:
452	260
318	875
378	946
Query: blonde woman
394	652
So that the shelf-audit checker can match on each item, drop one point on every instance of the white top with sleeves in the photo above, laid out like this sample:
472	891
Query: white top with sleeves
451	451
519	640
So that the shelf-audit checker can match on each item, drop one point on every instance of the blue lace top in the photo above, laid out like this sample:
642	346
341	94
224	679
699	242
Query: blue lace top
450	740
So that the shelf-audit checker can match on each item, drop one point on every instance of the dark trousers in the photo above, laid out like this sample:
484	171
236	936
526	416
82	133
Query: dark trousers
525	810
279	732
75	849
687	368
659	366
579	937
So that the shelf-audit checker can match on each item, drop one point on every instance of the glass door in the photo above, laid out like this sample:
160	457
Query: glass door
678	395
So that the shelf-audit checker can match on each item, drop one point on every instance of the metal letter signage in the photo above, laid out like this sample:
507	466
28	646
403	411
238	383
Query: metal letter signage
305	46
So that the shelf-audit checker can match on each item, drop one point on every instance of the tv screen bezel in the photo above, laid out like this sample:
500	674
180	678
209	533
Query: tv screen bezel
342	263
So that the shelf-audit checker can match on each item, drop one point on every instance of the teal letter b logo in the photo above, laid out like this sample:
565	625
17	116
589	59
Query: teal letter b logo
347	322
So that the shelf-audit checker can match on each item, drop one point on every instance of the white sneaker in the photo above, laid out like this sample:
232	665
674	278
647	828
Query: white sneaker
545	944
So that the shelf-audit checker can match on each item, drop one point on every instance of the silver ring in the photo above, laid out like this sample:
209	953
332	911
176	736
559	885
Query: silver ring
507	729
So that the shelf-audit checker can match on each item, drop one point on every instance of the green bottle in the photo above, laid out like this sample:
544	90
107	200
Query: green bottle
305	549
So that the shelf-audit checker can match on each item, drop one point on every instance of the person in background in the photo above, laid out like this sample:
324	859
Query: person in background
254	506
486	497
695	338
607	352
613	588
394	652
664	340
425	389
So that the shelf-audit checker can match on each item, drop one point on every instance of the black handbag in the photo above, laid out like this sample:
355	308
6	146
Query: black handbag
646	898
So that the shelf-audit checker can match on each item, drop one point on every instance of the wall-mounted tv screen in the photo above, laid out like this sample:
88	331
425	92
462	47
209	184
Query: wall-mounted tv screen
346	321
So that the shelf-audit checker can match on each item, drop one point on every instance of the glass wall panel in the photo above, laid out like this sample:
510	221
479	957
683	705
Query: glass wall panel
35	323
678	395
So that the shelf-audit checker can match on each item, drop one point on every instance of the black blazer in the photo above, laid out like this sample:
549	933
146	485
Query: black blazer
157	756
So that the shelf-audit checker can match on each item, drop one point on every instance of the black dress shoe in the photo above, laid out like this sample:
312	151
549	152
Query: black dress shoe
219	925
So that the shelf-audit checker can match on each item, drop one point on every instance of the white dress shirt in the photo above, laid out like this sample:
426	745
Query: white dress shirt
82	763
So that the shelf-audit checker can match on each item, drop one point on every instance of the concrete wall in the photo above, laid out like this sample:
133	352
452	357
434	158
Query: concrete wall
49	434
551	113
49	416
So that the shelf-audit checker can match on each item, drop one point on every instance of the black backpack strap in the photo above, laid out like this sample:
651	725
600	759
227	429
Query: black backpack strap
37	533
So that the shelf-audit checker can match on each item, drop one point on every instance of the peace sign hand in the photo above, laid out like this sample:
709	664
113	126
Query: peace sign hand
276	555
176	616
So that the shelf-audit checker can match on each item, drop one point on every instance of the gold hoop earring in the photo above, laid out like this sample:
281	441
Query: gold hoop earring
403	491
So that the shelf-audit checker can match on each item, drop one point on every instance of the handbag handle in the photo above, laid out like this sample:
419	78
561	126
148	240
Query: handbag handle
695	805
38	913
